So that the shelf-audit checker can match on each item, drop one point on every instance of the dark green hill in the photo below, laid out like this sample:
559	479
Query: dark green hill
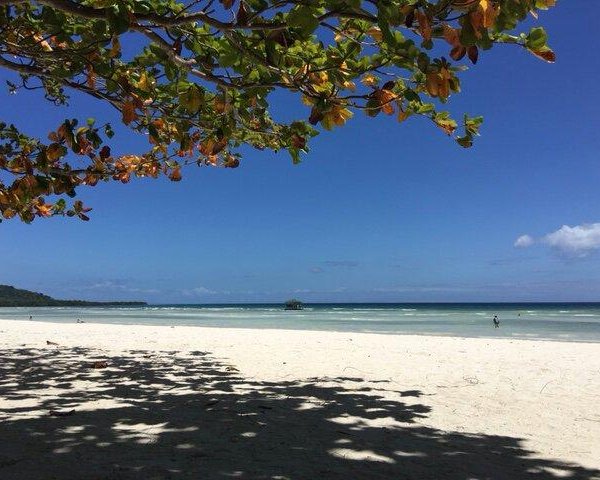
16	297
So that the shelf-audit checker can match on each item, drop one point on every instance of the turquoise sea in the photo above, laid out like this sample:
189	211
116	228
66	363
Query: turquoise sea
578	322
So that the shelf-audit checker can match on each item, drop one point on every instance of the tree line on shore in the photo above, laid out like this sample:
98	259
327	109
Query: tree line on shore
16	297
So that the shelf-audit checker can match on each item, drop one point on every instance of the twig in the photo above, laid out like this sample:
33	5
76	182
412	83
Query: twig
545	385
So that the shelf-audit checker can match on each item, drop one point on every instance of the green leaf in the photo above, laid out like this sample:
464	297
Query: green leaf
295	154
537	38
425	108
228	56
304	18
100	27
373	107
192	98
118	19
109	131
273	55
466	141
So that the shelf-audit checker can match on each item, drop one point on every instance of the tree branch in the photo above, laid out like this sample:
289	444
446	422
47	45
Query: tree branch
39	72
101	13
189	64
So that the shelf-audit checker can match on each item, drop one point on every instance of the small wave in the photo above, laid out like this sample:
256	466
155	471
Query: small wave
369	309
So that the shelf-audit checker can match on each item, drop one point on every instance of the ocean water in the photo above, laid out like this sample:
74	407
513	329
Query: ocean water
579	322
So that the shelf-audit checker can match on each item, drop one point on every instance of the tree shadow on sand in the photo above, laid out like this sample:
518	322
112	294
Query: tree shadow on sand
186	415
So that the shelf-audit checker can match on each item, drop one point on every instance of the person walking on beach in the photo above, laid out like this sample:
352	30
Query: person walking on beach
496	322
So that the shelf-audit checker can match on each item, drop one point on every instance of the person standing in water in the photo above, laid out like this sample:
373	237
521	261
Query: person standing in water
496	322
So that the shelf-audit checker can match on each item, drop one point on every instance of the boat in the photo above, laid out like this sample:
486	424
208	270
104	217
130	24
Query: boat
294	304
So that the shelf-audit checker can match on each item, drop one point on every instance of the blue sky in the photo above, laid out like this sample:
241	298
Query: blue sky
378	211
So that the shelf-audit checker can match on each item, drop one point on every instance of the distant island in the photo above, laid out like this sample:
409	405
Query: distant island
17	297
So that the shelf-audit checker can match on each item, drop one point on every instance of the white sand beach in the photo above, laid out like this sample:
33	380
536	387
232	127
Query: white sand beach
207	403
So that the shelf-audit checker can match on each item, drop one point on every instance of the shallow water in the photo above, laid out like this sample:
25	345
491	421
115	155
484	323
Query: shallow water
569	322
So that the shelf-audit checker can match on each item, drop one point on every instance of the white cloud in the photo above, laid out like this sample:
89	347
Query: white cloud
580	240
116	286
104	284
524	241
421	289
303	290
192	292
577	241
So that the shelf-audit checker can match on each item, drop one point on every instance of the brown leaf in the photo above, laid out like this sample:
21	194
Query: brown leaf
402	115
375	33
177	45
210	146
384	99
137	101
116	47
490	12
62	132
298	141
389	85
231	162
218	146
221	105
424	25
546	55
54	151
316	116
337	115
122	177
431	84
91	180
91	77
443	88
451	35
369	80
484	16
242	15
105	152
473	53
458	52
43	209
175	174
128	112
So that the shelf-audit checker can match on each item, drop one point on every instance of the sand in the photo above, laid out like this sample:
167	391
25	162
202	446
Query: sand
207	403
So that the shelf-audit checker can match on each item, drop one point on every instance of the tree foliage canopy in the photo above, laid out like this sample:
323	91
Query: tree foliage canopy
196	75
17	297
